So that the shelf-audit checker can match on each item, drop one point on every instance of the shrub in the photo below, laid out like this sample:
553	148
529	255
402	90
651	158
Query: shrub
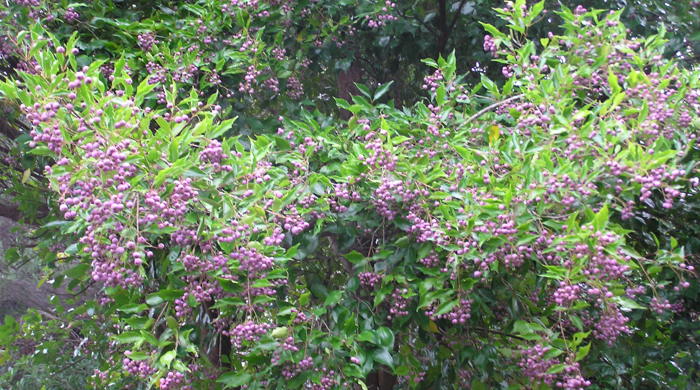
475	239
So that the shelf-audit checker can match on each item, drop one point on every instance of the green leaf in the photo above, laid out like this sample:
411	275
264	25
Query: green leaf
333	298
368	336
364	90
557	368
536	10
601	218
382	90
583	352
354	257
175	170
167	358
578	323
153	300
493	31
78	272
142	90
137	356
628	304
161	296
383	356
385	337
613	82
130	337
133	308
440	95
280	332
219	130
56	223
304	298
232	379
446	307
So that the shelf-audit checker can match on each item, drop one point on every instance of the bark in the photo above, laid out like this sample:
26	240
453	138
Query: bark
443	30
346	84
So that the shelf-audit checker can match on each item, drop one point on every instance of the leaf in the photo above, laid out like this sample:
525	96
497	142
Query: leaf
130	337
613	82
153	300
440	95
583	352
494	134
333	298
628	304
280	332
137	356
601	218
383	356
446	307
133	308
231	379
217	131
362	384
175	170
489	85
25	175
354	257
78	272
55	223
304	298
385	337
161	296
167	358
556	368
493	30
142	90
432	327
382	90
536	10
577	322
364	90
430	62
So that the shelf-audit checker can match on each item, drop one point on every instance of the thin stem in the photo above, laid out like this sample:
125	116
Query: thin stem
489	108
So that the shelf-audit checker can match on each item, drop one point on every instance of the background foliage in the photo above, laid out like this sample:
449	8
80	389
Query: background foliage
264	194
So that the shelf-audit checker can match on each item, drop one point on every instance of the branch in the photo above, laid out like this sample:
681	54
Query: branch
403	15
454	19
442	25
489	108
333	246
486	330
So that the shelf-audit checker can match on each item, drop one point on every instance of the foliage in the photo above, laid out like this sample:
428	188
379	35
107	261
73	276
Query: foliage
495	234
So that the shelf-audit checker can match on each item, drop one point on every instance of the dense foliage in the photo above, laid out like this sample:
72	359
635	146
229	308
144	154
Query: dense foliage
223	225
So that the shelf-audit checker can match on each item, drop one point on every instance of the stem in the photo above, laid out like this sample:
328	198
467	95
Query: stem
489	108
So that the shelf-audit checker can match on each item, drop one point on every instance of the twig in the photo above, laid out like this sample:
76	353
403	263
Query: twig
456	16
403	15
497	332
489	108
486	330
